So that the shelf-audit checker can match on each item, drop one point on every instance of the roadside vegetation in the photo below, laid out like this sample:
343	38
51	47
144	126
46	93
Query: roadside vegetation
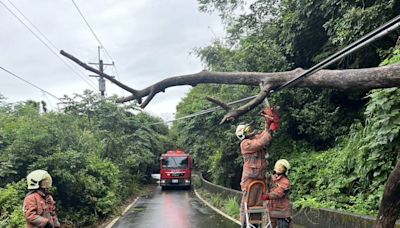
99	155
229	206
342	144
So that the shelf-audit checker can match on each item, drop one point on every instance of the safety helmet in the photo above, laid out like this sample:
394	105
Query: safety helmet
244	130
39	179
282	166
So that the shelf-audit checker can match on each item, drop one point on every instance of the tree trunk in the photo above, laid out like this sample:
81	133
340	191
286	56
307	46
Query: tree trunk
353	79
389	210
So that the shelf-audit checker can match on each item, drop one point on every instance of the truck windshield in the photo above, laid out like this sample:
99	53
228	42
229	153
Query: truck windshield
174	162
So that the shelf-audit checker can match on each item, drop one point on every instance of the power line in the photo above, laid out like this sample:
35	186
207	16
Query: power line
90	28
360	43
30	83
365	40
48	100
97	38
33	25
38	30
210	110
92	31
90	83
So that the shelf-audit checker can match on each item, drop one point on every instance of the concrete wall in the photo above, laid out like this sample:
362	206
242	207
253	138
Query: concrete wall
310	217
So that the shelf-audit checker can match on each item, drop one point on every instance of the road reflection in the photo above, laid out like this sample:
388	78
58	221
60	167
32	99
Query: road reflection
172	208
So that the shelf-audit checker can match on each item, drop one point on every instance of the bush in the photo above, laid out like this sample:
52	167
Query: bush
98	154
232	208
11	197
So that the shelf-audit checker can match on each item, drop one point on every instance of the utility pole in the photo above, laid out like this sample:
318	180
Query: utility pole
102	81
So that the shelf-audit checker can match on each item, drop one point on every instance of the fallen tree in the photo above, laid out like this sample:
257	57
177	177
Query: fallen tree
349	79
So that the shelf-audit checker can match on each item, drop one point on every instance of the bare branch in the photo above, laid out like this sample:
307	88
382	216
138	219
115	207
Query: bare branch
219	103
94	70
148	98
202	77
234	114
352	79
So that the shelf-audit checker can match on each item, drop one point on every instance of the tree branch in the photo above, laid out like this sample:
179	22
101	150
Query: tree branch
219	103
235	113
360	79
351	79
96	71
389	211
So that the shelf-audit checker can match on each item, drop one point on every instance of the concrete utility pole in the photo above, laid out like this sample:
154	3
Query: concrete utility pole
102	81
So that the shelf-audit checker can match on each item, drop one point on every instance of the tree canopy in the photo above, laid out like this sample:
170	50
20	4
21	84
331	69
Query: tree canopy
351	137
98	154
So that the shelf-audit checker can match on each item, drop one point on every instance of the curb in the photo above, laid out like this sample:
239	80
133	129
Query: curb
216	209
123	213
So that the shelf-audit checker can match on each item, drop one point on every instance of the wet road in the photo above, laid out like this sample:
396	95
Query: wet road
172	208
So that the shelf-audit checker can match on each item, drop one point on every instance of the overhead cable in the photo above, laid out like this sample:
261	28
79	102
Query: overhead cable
210	110
90	83
43	35
96	37
30	83
360	43
363	41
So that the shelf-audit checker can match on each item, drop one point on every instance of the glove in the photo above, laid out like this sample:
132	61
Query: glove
271	118
275	122
48	225
264	197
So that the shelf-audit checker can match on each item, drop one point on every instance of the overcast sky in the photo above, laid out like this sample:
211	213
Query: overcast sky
149	40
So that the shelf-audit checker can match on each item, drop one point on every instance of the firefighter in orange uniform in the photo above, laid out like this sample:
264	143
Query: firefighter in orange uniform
39	205
253	151
279	206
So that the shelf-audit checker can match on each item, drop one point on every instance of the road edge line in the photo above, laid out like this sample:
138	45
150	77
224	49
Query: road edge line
123	213
216	209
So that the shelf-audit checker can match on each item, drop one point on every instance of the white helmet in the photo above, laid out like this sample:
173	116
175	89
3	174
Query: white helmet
39	179
243	130
282	166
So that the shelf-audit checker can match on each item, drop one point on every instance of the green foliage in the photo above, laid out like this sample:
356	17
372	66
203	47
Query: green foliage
98	154
217	200
360	165
228	205
232	207
307	30
10	205
341	147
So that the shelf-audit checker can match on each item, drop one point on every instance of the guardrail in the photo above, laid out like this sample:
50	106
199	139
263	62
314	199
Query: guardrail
308	217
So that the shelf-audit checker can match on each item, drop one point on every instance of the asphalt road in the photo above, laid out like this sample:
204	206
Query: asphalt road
172	208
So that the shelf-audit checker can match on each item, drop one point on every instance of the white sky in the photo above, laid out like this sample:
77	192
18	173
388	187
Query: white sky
149	40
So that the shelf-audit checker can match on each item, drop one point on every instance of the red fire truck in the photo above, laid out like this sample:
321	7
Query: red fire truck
176	169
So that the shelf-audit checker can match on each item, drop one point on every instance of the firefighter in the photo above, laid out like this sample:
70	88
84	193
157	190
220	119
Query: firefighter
279	205
252	147
39	206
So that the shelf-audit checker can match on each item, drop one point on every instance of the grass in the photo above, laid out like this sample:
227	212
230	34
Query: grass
228	205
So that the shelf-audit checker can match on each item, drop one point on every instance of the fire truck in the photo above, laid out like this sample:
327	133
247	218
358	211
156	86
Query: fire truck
176	169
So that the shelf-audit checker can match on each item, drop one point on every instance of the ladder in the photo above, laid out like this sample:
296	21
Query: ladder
256	211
